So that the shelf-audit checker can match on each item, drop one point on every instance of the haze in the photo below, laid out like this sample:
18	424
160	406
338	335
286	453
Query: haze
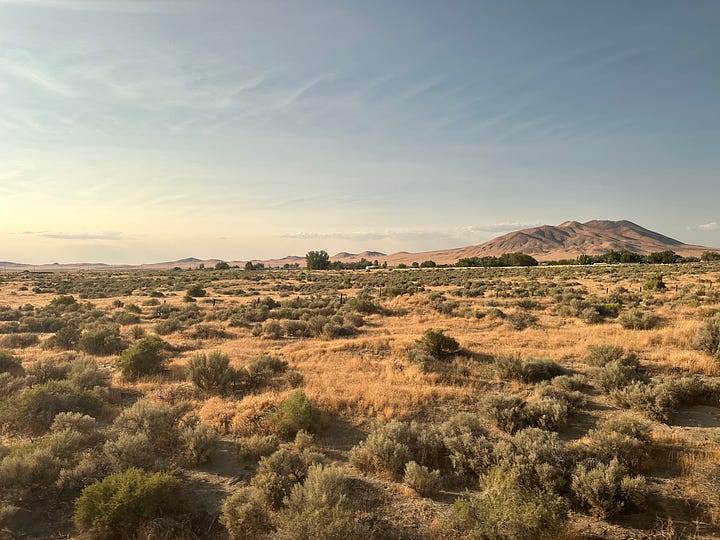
141	131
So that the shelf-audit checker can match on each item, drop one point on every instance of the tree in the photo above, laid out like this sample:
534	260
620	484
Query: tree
317	260
249	266
222	265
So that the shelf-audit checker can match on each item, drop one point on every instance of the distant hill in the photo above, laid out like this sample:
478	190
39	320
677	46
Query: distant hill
545	243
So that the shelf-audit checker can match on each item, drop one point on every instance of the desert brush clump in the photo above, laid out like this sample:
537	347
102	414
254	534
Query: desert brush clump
512	413
624	438
637	319
147	357
296	412
707	337
606	488
508	509
101	340
529	370
117	505
213	374
422	480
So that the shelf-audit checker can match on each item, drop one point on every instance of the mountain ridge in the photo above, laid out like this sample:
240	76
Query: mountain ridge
567	240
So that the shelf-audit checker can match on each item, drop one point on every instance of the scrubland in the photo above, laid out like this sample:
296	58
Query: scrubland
545	402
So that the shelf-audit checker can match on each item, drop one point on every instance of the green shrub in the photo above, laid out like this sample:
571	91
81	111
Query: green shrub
253	447
707	338
43	371
600	355
196	291
421	479
208	331
33	410
280	471
507	509
86	374
617	374
10	364
146	357
212	373
437	344
635	319
658	401
623	438
520	320
320	508
128	450
66	338
293	414
117	505
245	515
528	370
198	443
159	421
102	340
507	412
19	341
606	489
654	283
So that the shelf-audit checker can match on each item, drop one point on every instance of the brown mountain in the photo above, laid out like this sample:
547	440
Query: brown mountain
564	241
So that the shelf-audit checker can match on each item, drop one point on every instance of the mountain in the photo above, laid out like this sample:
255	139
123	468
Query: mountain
545	243
564	241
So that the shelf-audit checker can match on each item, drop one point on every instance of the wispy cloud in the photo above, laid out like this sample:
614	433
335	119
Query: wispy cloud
712	226
111	236
469	233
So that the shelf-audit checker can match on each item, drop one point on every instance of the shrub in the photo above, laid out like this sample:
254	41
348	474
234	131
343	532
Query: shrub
196	291
599	355
521	320
437	344
146	357
208	331
19	341
654	283
272	330
33	410
156	420
470	453
390	445
320	508
101	340
66	338
43	371
528	370
293	414
254	447
507	412
635	319
658	401
707	338
129	450
421	479
606	489
623	438
86	374
245	516
617	374
212	373
10	364
280	471
506	509
198	443
117	505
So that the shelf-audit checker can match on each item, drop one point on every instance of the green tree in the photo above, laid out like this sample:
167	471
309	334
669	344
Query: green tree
222	265
317	260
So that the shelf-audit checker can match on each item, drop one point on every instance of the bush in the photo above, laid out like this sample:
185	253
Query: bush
10	364
212	373
33	410
146	357
437	344
658	401
421	479
280	471
623	438
86	374
512	414
196	291
117	505
507	509
635	319
617	374
654	283
293	414
606	489
43	371
521	320
198	443
254	447
320	508
208	331
101	340
707	338
129	450
529	370
19	341
599	355
156	420
245	516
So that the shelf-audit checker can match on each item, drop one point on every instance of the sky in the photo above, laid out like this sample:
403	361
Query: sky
136	131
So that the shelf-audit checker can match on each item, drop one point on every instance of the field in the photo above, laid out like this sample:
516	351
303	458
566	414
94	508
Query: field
557	402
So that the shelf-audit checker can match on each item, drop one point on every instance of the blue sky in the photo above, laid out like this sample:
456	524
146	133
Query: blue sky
140	131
